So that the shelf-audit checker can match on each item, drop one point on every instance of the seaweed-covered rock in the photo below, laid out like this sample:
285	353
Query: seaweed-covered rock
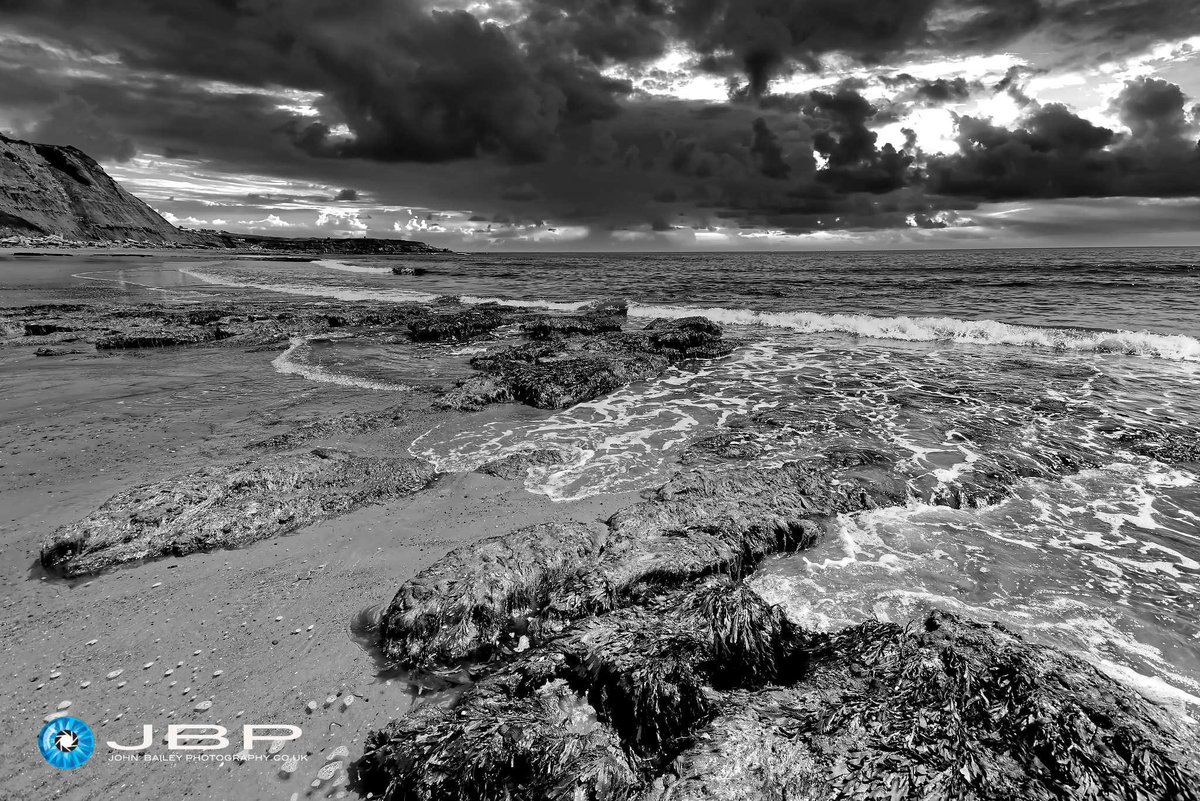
611	695
945	709
535	581
463	606
162	338
567	370
712	694
222	507
474	394
518	465
460	324
544	744
1173	449
550	327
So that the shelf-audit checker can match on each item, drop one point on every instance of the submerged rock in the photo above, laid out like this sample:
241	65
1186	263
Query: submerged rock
517	465
223	507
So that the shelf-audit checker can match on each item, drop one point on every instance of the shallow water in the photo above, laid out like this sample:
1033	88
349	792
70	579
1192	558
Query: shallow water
1043	367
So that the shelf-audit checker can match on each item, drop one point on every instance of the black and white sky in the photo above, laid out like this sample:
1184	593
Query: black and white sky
630	124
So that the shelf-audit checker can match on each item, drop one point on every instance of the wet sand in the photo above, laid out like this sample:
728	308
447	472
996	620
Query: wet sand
260	631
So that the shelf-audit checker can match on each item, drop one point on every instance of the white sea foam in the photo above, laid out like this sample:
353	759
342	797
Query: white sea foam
315	290
1176	347
290	363
330	264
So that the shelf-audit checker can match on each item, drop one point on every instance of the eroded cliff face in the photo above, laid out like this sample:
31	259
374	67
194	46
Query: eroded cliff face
48	189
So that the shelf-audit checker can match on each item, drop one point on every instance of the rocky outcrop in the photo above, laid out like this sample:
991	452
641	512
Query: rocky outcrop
483	598
714	694
518	465
53	190
459	325
577	365
121	327
633	662
225	507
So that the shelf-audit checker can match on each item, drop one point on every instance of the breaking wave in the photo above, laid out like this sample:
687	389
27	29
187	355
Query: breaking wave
330	264
290	362
1176	347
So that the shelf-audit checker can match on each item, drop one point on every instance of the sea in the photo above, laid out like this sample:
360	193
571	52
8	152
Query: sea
1047	364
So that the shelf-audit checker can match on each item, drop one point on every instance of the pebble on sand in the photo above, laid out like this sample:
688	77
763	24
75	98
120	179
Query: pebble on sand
114	673
64	705
341	752
347	701
83	685
203	706
329	771
310	707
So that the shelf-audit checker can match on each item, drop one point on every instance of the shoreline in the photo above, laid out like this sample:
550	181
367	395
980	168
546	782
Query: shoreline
103	421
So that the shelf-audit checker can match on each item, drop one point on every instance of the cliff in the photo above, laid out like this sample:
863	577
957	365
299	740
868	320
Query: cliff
48	189
57	191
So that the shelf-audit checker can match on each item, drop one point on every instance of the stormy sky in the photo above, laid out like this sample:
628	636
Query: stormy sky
630	124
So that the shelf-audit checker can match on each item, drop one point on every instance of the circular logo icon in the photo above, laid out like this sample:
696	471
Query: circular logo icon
66	742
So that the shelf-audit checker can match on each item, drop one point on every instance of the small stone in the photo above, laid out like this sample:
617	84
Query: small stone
203	706
83	685
53	715
217	673
55	675
168	672
331	700
310	707
64	705
91	642
147	666
241	756
113	674
156	584
121	684
347	701
289	767
329	771
341	752
278	618
195	653
276	747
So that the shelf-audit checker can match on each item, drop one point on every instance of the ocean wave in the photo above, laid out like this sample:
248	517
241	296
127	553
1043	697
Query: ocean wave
330	264
289	363
1176	347
315	290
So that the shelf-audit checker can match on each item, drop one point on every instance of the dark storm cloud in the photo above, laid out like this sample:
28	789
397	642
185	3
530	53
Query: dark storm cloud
519	114
936	92
1056	154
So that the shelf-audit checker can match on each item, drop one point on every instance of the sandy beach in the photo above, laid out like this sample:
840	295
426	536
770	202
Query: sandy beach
261	631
